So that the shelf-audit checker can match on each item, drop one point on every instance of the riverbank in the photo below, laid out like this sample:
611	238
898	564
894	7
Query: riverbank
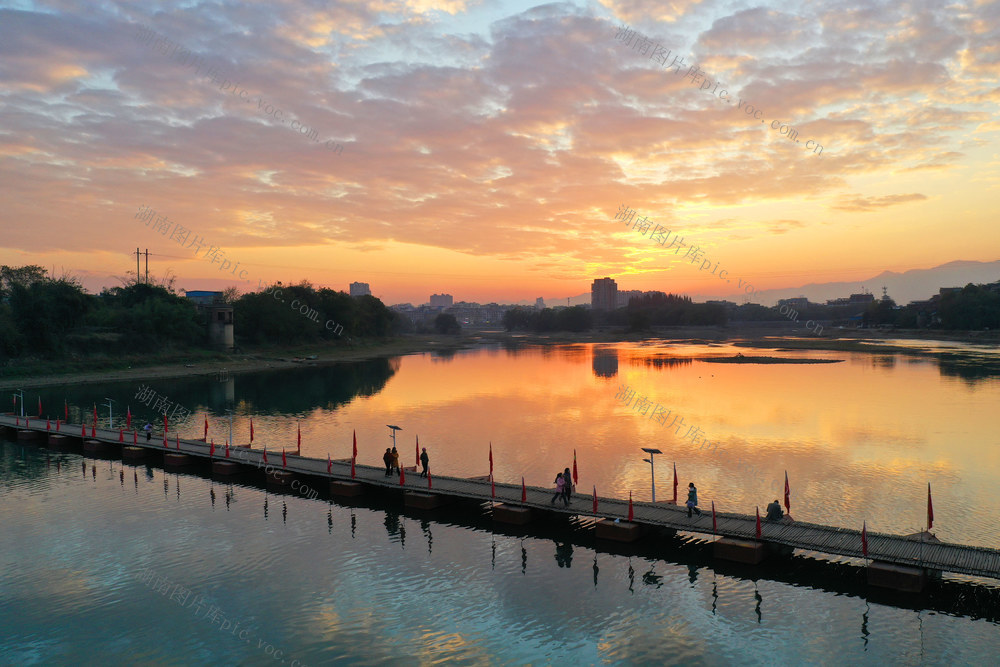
202	362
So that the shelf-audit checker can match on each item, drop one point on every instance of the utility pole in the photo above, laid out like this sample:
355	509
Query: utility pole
136	266
147	266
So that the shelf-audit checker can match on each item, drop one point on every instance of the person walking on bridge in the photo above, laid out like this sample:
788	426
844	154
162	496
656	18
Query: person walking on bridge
560	489
692	501
387	459
148	428
395	460
424	460
567	485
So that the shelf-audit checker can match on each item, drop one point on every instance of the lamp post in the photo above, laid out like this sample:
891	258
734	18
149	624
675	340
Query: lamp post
393	430
652	478
111	422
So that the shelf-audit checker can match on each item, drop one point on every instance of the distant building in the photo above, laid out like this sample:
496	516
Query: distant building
441	301
853	300
539	303
466	313
360	289
624	296
219	315
604	294
796	302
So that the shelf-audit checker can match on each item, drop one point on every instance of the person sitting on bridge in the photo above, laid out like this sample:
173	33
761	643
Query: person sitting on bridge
774	512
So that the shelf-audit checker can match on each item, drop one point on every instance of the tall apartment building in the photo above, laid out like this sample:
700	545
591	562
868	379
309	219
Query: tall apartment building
441	301
360	289
604	294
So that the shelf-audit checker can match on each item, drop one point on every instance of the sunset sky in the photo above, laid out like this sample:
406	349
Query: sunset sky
487	146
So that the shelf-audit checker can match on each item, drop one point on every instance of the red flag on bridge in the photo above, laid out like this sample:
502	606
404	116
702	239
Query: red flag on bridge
491	460
284	461
418	452
39	407
788	494
211	451
121	435
428	479
631	515
93	431
864	539
329	463
83	428
58	424
524	492
298	427
576	478
206	425
930	508
675	481
251	430
595	499
66	410
715	526
135	437
354	453
402	476
48	424
493	488
758	523
164	424
177	438
265	453
128	417
227	446
165	439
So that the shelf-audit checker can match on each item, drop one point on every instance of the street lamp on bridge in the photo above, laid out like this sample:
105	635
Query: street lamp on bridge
652	478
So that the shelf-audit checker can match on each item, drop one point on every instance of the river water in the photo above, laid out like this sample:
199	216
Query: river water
96	555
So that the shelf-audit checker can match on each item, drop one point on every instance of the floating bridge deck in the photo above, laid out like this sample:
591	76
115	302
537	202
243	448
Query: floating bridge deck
895	549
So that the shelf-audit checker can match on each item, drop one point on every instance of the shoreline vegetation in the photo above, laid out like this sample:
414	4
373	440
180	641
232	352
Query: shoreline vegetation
28	373
53	332
740	359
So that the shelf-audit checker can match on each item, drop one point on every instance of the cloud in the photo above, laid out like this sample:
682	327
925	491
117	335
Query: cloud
867	204
470	127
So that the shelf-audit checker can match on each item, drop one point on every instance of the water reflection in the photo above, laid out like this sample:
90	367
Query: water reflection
425	526
952	598
285	391
661	362
605	361
564	554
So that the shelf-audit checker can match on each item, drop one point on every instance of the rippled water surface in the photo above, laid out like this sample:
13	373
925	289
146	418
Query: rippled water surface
110	564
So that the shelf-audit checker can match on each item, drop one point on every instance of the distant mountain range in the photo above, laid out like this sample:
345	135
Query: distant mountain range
913	285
